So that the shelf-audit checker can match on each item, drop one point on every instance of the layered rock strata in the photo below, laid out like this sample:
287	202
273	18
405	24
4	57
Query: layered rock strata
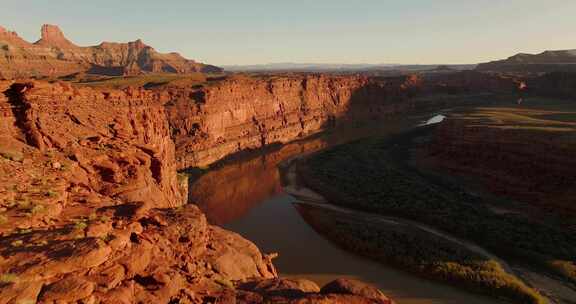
524	154
91	207
92	210
54	55
239	113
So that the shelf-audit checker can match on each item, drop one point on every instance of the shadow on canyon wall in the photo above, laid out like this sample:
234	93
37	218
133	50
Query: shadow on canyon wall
236	184
384	105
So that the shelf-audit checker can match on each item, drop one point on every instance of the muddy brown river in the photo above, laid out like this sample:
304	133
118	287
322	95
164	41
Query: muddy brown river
246	196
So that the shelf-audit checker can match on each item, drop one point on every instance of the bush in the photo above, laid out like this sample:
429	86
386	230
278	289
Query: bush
373	175
420	252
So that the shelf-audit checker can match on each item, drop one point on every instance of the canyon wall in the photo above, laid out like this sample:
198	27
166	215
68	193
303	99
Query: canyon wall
93	211
213	121
518	153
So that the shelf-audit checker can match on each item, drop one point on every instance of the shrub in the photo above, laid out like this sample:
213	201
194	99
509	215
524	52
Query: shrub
12	155
37	209
80	225
51	193
8	278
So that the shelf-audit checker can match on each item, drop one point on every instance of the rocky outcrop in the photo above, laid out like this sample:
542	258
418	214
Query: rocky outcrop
54	55
548	61
92	210
52	36
354	287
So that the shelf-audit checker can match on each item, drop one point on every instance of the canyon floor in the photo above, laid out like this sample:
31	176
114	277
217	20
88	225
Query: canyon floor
494	176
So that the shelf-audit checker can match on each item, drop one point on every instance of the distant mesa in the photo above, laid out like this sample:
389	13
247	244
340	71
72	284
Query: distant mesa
548	61
52	36
54	55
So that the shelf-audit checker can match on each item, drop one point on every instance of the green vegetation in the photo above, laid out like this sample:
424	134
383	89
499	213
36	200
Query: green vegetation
7	278
373	175
12	155
81	225
51	193
420	252
183	177
107	238
41	243
564	117
224	282
30	207
24	231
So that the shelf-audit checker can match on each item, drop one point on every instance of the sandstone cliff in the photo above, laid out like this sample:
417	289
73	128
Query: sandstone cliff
91	207
218	119
521	153
92	210
89	188
54	55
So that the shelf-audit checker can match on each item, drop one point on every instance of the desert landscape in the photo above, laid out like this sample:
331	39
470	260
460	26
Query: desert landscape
131	174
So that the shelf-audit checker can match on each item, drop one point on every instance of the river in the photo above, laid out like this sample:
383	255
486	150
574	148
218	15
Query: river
245	195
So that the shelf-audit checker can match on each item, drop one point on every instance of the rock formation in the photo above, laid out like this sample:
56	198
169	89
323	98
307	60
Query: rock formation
54	55
548	61
523	154
92	210
52	36
240	113
91	207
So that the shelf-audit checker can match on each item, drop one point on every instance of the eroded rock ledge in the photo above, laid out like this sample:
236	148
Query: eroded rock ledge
92	210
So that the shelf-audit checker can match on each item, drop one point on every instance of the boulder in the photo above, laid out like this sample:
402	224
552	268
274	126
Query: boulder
354	287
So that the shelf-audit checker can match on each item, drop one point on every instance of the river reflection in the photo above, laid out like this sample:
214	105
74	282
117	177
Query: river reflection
232	188
230	191
246	196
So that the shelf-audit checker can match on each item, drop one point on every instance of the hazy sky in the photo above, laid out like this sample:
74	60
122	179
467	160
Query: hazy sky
325	31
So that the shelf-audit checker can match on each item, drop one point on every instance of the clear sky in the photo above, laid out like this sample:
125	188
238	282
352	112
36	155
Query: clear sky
321	31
